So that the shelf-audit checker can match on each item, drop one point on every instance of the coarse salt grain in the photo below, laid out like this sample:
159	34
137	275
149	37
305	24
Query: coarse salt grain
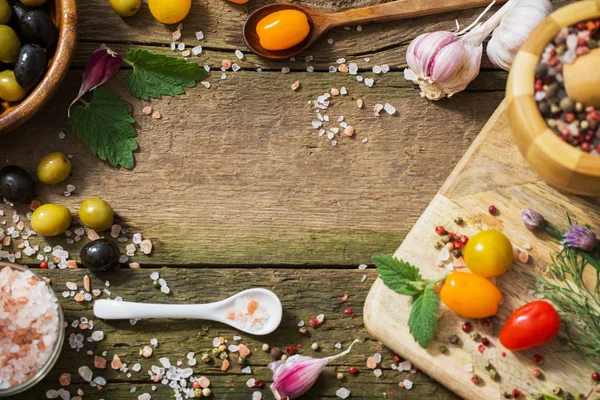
239	54
407	384
285	70
342	393
369	82
389	109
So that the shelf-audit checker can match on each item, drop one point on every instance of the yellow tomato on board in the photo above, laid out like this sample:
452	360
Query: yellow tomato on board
169	11
470	295
488	253
282	29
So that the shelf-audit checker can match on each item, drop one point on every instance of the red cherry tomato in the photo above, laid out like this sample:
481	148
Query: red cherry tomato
531	325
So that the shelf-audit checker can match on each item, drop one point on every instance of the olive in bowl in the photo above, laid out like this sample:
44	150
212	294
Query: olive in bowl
100	255
44	31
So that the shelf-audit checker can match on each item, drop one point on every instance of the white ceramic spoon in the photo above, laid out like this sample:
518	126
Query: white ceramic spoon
111	309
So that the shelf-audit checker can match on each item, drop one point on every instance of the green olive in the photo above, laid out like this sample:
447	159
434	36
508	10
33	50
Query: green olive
96	214
9	51
9	88
33	3
54	168
50	219
5	12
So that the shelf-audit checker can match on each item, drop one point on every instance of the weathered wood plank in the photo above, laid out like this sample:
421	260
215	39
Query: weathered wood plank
304	293
236	175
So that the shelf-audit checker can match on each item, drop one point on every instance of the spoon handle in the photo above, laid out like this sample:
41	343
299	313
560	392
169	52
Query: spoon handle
402	9
111	309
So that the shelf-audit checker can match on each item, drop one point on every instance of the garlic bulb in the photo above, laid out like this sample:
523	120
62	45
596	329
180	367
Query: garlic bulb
516	25
443	63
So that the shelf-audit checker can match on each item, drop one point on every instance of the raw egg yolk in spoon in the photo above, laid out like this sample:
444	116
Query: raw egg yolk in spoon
282	29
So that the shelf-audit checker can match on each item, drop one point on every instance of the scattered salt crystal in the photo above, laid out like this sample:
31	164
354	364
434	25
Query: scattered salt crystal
444	254
330	41
216	342
320	318
247	370
340	60
71	286
337	345
85	372
332	68
233	348
407	384
362	266
330	135
310	68
165	289
344	124
97	336
376	69
316	124
385	68
369	82
377	372
359	78
257	395
100	381
468	367
343	90
308	59
404	366
196	50
165	362
223	76
176	35
301	323
173	46
205	84
136	367
285	70
334	129
359	28
154	276
235	67
334	142
250	382
389	109
144	396
377	357
61	135
146	246
181	46
156	115
199	35
52	394
342	393
239	54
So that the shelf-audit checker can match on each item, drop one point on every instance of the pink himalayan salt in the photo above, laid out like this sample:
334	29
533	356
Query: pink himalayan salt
29	325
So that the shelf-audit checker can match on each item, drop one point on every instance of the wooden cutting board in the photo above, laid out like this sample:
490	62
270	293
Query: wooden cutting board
491	172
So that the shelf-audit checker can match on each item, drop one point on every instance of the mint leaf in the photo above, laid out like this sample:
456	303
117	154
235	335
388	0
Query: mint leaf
399	275
155	75
423	317
106	125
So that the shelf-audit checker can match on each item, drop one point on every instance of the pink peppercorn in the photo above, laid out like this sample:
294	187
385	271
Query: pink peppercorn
595	376
291	350
538	359
348	311
196	385
466	327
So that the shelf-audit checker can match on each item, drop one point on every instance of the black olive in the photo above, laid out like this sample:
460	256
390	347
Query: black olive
100	255
18	11
31	65
37	27
16	184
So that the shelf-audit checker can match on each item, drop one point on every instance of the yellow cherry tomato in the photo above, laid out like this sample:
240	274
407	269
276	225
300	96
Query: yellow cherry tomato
282	29
239	1
96	214
169	11
488	253
50	219
125	8
54	168
470	295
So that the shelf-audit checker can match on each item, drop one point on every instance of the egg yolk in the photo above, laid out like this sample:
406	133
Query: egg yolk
282	29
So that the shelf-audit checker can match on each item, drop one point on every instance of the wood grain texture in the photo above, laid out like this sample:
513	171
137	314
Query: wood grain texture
236	175
177	338
491	172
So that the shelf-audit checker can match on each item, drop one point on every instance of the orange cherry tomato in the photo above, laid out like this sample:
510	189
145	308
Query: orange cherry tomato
282	29
470	295
239	1
488	253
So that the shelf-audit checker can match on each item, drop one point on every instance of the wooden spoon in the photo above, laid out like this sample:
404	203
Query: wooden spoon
321	22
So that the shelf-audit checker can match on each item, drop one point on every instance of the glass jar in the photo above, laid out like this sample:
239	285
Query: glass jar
43	371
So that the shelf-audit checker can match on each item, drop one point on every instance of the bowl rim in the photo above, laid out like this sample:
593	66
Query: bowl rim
66	14
58	345
587	164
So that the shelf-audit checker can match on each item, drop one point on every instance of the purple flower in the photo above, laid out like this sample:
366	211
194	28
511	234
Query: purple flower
101	66
581	237
532	220
296	375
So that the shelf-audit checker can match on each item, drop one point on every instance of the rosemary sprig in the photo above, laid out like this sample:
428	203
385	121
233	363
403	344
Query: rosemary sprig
578	304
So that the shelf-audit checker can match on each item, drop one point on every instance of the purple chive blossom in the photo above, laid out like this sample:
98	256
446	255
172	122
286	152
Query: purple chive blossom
296	375
532	220
101	66
581	238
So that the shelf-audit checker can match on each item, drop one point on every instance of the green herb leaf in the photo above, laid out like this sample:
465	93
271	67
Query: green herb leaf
106	125
399	275
155	75
423	317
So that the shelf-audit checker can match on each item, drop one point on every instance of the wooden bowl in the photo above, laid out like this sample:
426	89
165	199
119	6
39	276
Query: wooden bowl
64	14
556	162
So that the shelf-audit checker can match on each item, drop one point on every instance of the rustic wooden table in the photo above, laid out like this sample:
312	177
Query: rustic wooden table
236	190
